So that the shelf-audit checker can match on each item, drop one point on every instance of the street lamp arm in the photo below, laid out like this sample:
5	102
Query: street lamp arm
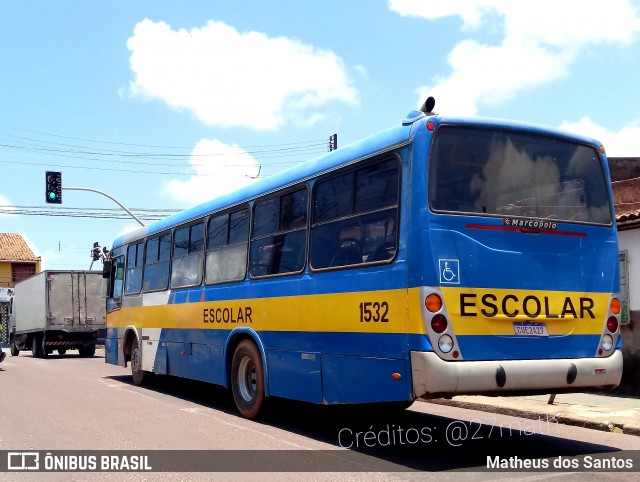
106	195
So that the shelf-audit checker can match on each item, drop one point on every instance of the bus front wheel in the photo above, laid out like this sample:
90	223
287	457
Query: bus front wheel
247	379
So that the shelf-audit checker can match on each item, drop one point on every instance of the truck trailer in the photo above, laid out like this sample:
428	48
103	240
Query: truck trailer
58	310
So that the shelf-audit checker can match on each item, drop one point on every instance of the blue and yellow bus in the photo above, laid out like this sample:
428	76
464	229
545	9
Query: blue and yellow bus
443	256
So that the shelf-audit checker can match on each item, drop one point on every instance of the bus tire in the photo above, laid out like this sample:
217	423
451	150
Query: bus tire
137	373
247	379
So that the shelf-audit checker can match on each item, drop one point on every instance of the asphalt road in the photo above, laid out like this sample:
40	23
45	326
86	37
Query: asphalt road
72	403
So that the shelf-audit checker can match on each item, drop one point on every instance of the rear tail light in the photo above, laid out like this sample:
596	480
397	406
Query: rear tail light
614	306
433	303
612	324
439	324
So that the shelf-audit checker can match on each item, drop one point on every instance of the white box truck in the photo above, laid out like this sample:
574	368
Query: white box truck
58	310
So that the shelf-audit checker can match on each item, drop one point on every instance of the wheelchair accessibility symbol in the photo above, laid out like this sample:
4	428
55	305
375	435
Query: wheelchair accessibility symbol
449	271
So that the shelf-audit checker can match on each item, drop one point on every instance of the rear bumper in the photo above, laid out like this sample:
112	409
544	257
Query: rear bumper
434	377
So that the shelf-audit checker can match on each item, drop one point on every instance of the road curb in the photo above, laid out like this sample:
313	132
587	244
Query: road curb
548	414
631	429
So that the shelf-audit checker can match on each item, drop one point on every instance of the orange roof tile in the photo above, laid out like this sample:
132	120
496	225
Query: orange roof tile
626	198
14	248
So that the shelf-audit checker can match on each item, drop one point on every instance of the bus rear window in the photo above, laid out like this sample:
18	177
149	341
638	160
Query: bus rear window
505	173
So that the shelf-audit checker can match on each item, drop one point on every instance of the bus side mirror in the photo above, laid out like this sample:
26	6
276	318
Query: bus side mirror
106	270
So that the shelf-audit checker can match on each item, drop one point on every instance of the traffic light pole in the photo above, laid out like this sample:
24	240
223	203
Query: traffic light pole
105	195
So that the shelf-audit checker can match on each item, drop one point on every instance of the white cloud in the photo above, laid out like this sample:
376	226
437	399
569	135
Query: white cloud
218	169
541	39
362	71
623	143
229	78
470	11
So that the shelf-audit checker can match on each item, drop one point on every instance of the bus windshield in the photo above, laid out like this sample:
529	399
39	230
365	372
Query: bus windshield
484	171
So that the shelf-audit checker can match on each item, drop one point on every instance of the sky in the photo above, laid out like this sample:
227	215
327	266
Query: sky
163	105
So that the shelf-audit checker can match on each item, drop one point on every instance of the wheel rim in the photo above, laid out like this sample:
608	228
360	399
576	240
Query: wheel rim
135	359
247	379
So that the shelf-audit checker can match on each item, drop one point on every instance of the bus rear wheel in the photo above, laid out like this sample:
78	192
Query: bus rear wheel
137	373
247	379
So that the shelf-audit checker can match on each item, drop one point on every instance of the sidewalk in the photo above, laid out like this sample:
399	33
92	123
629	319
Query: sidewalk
598	411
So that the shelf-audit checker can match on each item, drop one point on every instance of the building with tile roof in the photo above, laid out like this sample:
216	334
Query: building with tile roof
17	261
625	183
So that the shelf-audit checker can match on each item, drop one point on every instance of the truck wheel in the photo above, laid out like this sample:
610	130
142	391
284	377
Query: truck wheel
247	379
14	348
137	373
87	351
44	351
36	346
62	351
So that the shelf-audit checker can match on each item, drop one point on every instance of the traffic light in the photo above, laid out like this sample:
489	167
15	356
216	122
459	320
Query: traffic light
53	182
95	252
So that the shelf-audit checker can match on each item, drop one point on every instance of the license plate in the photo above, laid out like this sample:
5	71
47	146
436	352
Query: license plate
530	329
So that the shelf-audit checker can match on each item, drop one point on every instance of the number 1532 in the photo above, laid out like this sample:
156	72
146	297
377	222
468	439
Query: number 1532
374	311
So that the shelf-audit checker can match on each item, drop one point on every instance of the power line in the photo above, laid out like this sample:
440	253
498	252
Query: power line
279	151
94	168
625	180
93	213
190	165
136	145
102	209
158	157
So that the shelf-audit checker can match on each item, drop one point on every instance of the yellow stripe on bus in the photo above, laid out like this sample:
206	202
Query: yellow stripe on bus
471	311
475	311
360	312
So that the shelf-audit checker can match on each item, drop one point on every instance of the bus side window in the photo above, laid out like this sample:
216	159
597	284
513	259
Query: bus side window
279	237
188	256
156	268
227	247
133	278
355	217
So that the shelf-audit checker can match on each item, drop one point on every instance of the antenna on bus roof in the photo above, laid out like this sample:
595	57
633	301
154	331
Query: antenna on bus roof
428	105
